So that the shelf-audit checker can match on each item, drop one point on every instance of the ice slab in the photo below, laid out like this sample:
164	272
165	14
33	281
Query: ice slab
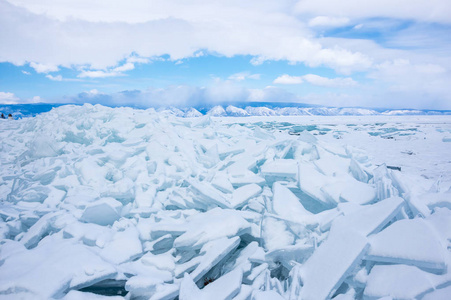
67	265
209	194
327	268
332	165
440	294
247	178
409	241
124	246
161	261
397	281
287	205
90	234
311	181
213	224
372	218
145	285
212	253
275	234
286	169
440	220
242	164
287	255
241	195
222	183
384	183
266	295
245	292
357	171
39	229
225	287
104	211
77	295
347	189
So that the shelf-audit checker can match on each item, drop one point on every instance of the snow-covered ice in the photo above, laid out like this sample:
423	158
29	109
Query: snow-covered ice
99	202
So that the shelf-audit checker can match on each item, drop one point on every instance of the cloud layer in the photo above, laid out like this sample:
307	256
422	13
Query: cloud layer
101	36
398	50
316	80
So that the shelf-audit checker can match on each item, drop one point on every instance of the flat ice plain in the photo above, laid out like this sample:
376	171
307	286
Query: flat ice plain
100	203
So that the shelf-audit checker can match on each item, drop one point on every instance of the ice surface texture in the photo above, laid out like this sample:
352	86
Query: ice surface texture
100	202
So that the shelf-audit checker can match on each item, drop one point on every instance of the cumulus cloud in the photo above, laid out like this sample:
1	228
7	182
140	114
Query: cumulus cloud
26	73
316	80
54	78
36	99
98	74
44	68
326	21
243	76
112	72
8	98
138	60
125	67
425	11
287	79
329	82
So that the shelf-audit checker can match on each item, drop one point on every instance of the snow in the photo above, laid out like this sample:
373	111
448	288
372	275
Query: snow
397	281
96	201
410	242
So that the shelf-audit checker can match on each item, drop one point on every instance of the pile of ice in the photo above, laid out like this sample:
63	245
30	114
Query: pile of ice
122	201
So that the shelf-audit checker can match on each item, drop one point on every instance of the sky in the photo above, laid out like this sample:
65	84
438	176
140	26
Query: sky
348	53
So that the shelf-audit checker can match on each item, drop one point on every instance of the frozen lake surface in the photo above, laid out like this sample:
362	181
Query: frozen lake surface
114	202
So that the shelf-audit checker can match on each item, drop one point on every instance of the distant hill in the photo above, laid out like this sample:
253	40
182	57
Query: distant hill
242	110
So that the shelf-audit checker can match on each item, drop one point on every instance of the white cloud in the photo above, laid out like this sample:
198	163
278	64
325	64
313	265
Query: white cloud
36	99
243	76
316	80
114	72
358	26
44	68
26	73
98	74
425	11
221	92
138	60
325	21
8	98
101	34
93	92
287	79
125	67
54	78
329	82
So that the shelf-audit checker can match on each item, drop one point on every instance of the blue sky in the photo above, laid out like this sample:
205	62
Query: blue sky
393	54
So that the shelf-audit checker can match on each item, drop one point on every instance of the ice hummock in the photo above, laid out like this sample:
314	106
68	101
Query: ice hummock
98	201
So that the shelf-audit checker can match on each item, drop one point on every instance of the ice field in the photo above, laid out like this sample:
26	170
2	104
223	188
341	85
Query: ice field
101	202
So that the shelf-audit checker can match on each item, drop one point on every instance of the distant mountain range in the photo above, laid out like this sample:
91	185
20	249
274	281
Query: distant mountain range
243	110
234	111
